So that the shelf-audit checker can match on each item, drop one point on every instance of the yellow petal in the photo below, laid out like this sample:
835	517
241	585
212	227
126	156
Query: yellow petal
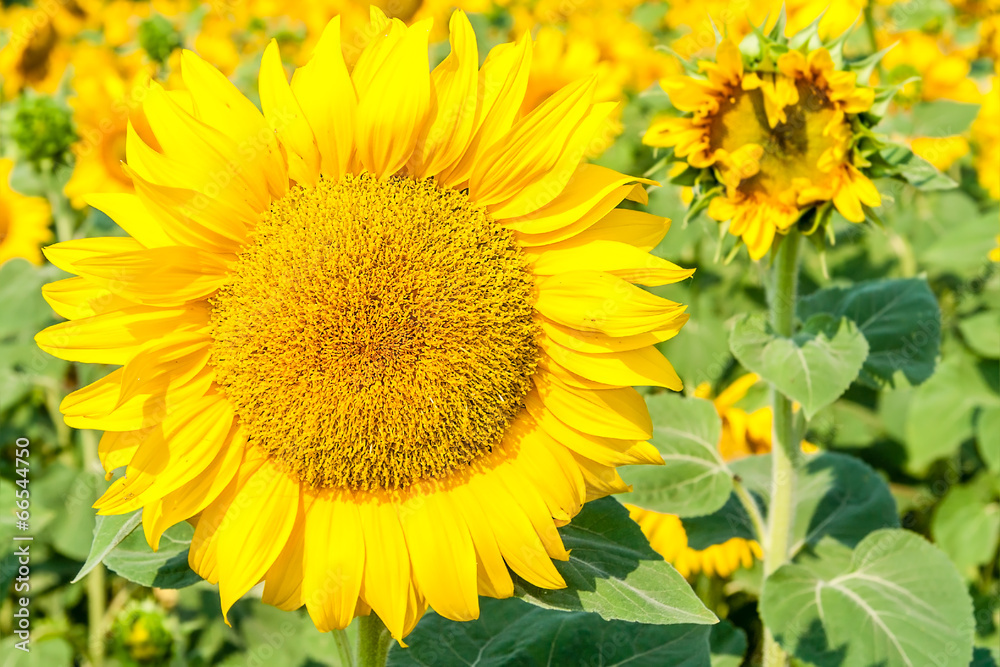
596	342
285	117
76	298
451	120
611	413
644	366
322	79
167	276
257	526
395	101
127	211
618	259
503	81
594	301
115	337
442	555
334	561
532	147
387	568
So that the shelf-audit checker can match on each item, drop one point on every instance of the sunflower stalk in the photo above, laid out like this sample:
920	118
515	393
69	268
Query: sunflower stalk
373	641
785	452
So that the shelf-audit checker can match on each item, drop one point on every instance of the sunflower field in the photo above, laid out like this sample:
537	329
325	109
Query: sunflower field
500	332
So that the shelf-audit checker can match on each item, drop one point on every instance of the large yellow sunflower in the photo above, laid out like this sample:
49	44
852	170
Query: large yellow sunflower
24	221
377	342
779	142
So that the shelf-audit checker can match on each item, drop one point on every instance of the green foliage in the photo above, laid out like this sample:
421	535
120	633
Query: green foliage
694	479
966	524
900	319
814	368
941	411
165	568
895	600
613	571
509	632
109	531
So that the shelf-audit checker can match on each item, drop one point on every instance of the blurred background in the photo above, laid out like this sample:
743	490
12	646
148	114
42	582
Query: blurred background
71	71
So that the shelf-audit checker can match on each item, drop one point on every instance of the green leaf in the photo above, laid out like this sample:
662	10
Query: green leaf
941	118
915	170
166	568
47	652
982	333
728	522
613	571
510	633
836	496
109	531
900	319
898	603
966	525
987	430
965	246
695	479
728	645
814	368
940	414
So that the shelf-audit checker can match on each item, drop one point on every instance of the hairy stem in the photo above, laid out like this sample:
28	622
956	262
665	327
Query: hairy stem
784	452
373	641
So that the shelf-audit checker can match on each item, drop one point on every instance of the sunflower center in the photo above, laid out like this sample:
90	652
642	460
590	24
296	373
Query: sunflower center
792	150
4	221
376	333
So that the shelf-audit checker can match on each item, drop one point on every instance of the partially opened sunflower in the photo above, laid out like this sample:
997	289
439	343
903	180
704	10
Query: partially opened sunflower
377	342
771	136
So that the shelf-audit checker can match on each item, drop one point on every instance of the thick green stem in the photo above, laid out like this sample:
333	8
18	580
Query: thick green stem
784	451
373	641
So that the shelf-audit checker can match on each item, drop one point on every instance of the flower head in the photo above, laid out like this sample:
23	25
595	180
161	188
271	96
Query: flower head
24	221
376	342
771	136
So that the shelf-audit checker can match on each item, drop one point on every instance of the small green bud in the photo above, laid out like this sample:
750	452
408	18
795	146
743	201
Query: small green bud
159	38
42	129
141	635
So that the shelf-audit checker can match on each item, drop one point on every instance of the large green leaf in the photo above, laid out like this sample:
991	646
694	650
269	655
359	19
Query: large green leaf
966	524
694	479
835	496
510	633
941	411
988	436
941	118
982	333
109	531
900	319
915	170
814	368
165	568
48	652
898	602
613	571
728	645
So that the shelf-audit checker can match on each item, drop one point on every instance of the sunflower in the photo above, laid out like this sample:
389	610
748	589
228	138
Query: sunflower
107	87
778	142
24	221
377	342
743	434
33	55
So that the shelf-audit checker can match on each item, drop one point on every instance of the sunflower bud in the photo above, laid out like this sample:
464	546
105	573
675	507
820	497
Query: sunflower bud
158	38
42	130
141	635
